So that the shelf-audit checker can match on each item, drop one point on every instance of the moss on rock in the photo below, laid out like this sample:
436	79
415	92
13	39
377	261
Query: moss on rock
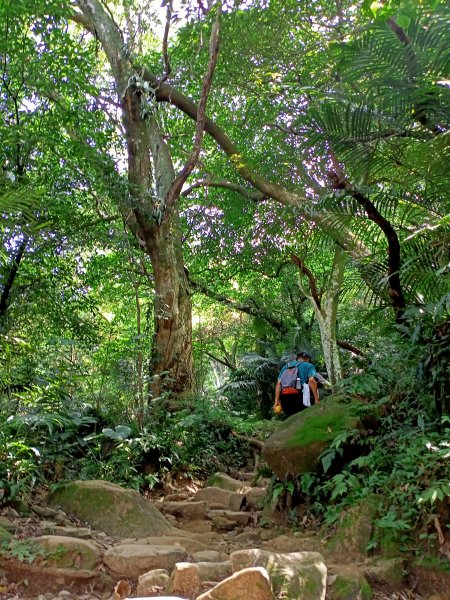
355	530
110	508
350	586
296	446
5	535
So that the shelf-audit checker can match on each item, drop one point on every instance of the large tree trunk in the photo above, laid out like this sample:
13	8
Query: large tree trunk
172	343
150	217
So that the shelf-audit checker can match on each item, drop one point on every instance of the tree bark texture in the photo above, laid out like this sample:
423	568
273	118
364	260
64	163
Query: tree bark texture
150	176
325	310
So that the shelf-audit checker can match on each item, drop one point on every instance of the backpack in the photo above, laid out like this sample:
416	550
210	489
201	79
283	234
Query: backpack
288	379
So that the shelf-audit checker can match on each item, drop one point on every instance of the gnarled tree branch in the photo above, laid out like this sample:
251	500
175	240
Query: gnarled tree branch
177	185
250	309
253	195
311	279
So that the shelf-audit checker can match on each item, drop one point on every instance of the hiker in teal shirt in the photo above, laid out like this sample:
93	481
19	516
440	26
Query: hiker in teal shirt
291	400
307	373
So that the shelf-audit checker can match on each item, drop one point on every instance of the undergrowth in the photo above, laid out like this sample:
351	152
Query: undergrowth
404	459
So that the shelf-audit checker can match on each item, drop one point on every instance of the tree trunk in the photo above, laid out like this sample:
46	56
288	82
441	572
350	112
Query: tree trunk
325	310
172	343
148	215
9	278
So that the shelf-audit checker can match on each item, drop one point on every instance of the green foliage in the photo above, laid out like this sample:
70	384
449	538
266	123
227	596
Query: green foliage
24	550
250	388
403	456
281	488
196	441
42	433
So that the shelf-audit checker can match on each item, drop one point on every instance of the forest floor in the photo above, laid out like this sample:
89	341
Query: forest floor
256	534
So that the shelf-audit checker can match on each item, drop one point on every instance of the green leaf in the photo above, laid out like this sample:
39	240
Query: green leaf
403	20
123	431
327	460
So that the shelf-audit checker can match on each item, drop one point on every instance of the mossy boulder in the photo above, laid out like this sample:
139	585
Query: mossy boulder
66	552
110	508
386	571
7	524
388	543
293	575
349	584
296	446
5	535
355	530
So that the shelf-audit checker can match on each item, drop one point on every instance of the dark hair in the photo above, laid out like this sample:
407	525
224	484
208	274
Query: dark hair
303	355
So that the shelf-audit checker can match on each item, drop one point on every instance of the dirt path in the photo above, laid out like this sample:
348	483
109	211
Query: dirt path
209	523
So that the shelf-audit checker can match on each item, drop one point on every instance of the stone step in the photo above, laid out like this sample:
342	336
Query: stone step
216	495
225	520
184	510
225	482
132	560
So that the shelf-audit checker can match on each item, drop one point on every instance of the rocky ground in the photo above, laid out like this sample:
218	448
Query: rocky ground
213	542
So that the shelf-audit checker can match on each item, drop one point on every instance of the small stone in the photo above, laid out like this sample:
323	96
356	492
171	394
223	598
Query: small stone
248	584
152	582
185	580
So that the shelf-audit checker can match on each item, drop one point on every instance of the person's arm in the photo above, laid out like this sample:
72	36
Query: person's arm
314	389
277	393
312	374
322	380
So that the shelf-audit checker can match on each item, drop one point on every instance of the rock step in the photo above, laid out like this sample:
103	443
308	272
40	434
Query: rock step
226	520
234	501
225	482
185	510
247	499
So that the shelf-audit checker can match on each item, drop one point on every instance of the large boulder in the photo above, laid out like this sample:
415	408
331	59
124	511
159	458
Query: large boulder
295	575
106	506
296	446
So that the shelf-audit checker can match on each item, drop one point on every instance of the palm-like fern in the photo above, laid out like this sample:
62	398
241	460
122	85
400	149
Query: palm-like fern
388	124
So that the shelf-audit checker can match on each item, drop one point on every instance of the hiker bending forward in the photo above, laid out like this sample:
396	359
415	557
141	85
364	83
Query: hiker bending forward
293	399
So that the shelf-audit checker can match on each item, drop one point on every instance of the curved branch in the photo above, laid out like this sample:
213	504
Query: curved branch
176	187
311	279
350	348
250	309
340	182
223	361
166	93
82	20
166	57
255	196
